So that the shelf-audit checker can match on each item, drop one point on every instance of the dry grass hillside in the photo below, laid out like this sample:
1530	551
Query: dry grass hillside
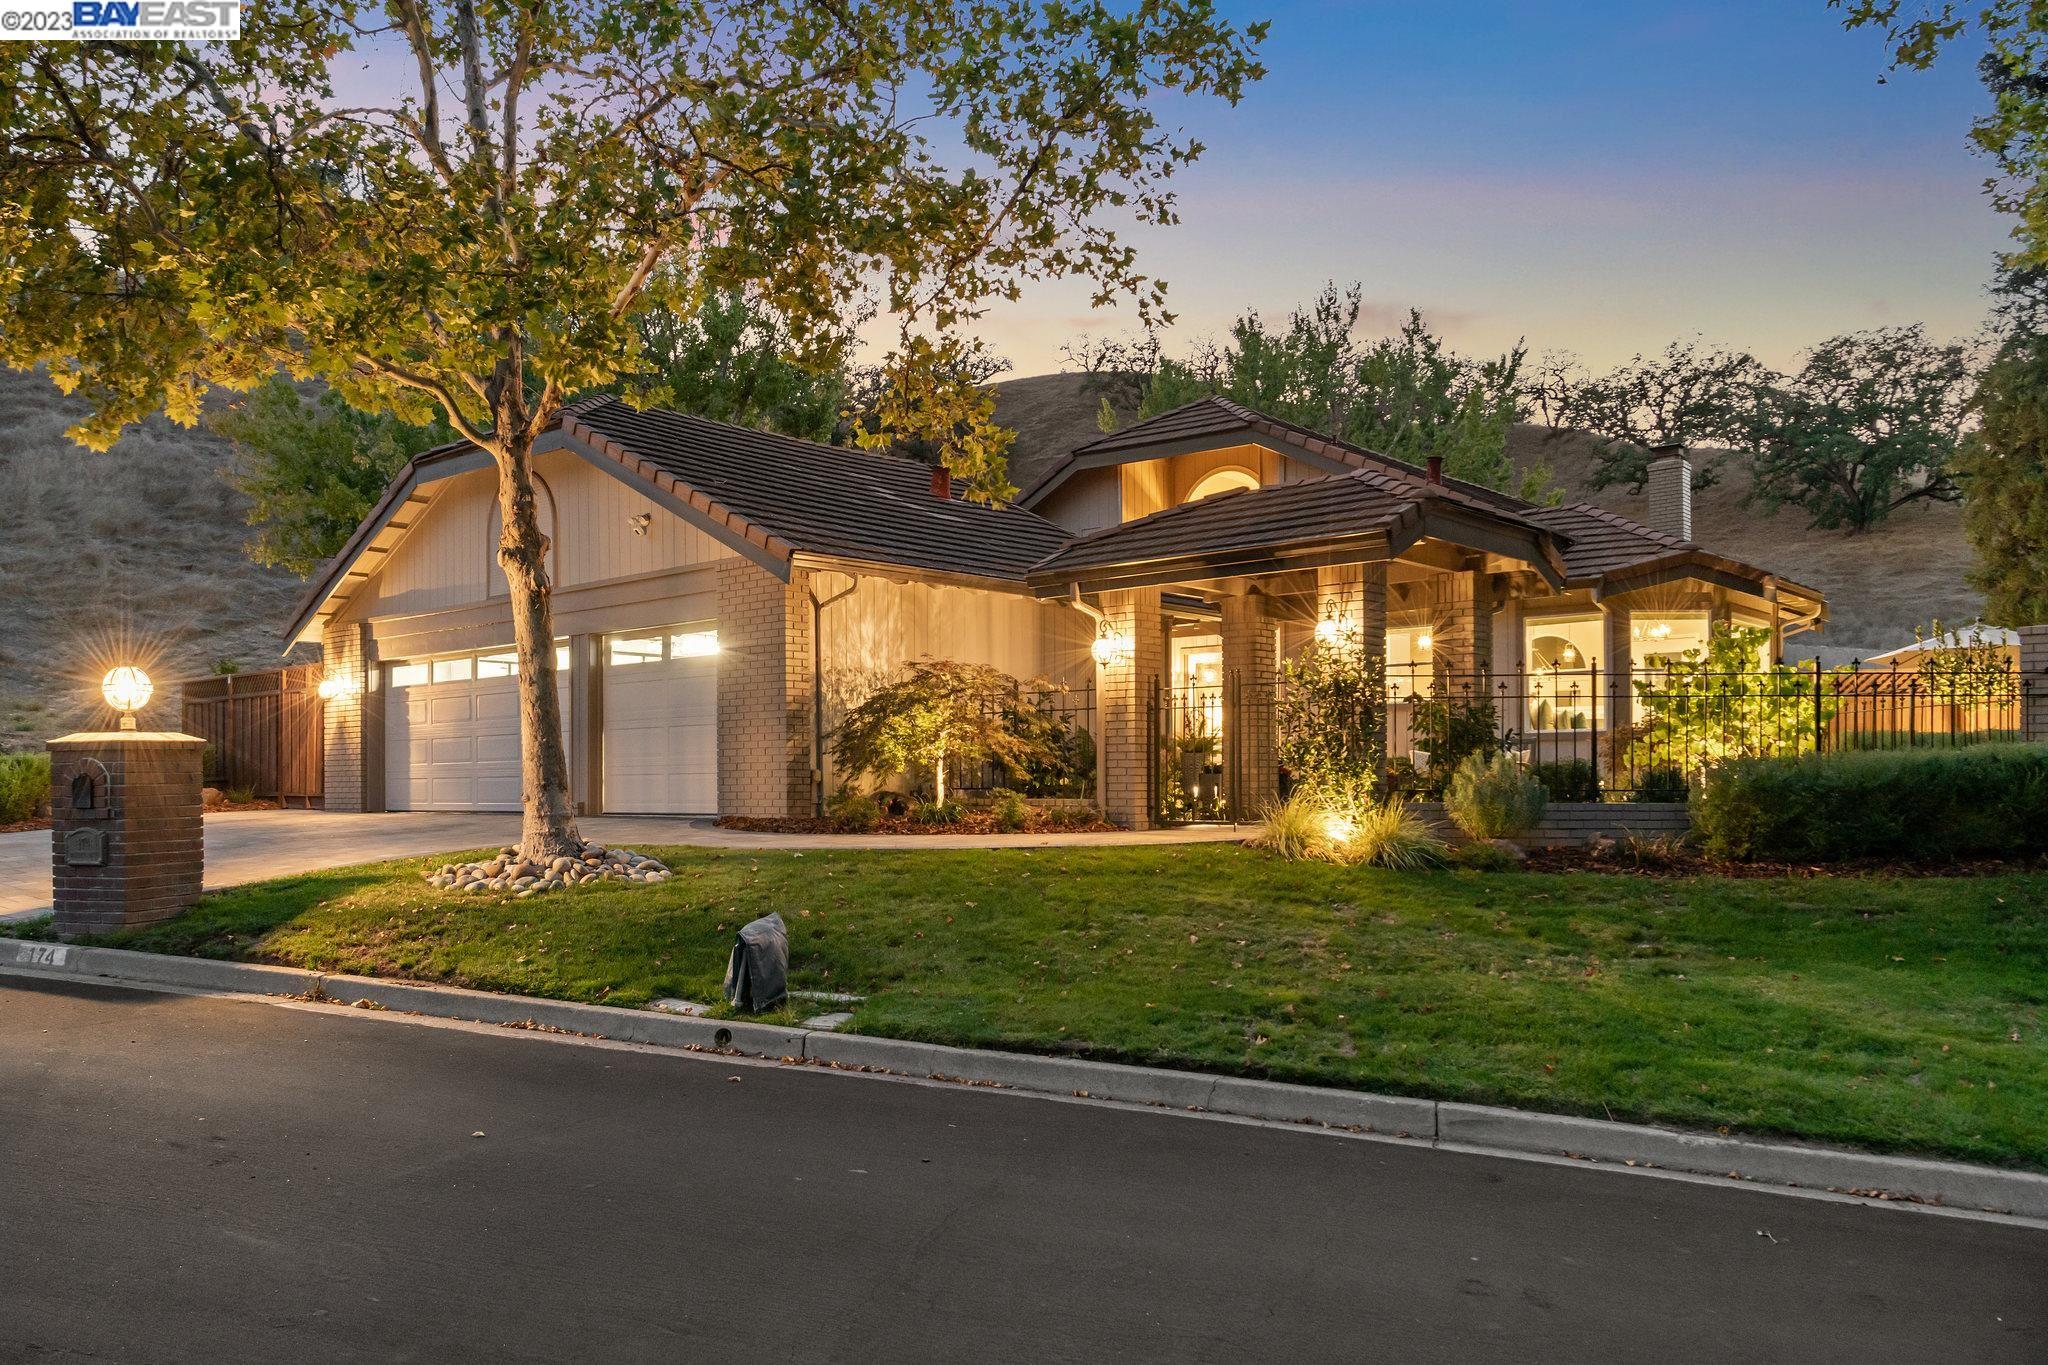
1879	586
138	552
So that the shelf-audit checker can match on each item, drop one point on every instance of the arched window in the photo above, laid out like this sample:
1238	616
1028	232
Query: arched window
544	506
1222	481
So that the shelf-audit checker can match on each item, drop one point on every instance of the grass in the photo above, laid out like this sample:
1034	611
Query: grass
1893	1014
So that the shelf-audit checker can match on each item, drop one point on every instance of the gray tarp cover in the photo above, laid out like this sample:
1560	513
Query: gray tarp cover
757	978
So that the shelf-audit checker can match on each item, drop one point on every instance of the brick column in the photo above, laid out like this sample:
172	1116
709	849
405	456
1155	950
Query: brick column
2034	682
1124	690
1462	641
354	720
764	692
1251	761
1617	666
126	835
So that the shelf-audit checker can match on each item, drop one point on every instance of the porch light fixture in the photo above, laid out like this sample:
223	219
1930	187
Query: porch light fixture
1330	629
127	689
335	687
1112	646
1423	642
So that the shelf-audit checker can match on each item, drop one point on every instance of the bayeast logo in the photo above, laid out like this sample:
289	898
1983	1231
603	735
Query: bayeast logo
154	18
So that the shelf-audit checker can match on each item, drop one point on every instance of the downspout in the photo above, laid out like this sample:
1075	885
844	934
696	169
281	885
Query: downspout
818	688
1094	614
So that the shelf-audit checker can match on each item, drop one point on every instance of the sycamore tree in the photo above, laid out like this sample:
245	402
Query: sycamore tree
469	228
1868	424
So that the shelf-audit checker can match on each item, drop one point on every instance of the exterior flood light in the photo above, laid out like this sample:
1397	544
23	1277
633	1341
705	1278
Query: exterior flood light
127	689
1112	647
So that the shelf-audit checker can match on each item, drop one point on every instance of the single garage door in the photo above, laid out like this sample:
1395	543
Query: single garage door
661	722
451	732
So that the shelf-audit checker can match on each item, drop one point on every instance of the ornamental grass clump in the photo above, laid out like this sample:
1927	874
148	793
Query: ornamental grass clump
1492	798
1323	827
24	787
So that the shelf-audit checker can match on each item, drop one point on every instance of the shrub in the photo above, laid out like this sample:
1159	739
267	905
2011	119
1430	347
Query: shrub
1480	856
239	796
937	813
852	812
1576	780
943	717
1330	712
1662	784
1392	836
1453	729
1012	815
1988	800
24	787
1492	798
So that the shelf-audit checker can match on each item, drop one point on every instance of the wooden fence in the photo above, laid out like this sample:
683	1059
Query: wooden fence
265	730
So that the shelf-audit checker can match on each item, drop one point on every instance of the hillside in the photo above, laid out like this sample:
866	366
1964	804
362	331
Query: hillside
132	554
137	553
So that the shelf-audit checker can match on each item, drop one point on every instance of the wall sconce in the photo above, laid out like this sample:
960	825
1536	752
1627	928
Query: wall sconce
336	687
1112	646
1424	642
127	689
1335	626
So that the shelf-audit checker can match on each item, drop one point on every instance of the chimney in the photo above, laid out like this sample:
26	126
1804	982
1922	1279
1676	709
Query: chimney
942	481
1670	489
1436	470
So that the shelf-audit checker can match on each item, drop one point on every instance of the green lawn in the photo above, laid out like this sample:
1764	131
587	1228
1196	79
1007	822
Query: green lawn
1899	1014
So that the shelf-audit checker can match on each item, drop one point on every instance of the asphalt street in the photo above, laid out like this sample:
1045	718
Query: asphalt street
196	1179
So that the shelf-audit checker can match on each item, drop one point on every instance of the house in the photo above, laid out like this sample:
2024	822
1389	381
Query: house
722	594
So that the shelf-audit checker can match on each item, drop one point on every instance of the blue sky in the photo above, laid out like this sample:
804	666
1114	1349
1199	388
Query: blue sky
1593	176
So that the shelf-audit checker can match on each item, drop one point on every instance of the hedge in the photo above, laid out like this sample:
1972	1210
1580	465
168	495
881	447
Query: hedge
24	787
1988	800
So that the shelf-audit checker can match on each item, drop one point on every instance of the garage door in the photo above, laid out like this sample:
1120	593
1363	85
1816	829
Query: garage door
661	722
451	733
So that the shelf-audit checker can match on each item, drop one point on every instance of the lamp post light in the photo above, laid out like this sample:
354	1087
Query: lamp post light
127	689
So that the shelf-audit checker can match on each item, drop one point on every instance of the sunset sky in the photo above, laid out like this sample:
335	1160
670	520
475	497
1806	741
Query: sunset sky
1593	175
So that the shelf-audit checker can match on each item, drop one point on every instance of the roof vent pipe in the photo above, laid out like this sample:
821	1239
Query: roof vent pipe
1670	490
1436	470
942	481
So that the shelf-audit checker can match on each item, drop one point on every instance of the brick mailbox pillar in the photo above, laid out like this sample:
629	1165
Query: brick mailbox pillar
126	845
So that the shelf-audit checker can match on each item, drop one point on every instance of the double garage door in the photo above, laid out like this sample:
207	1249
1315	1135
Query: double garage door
452	727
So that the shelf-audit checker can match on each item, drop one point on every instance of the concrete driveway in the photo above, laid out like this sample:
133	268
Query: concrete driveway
250	846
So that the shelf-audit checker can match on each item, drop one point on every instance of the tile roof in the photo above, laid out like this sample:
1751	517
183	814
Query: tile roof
1247	519
828	500
1598	541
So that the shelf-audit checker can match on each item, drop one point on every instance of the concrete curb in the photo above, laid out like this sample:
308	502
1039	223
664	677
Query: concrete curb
1442	1123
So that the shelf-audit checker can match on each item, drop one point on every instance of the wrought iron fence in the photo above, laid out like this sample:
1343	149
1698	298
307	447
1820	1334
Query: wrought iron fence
1059	722
1589	733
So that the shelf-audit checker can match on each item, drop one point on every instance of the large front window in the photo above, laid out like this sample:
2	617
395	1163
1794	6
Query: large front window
1661	638
1564	674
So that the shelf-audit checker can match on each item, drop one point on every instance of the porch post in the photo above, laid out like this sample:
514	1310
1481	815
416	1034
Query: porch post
1618	669
2034	682
1124	688
1464	633
1358	594
1250	669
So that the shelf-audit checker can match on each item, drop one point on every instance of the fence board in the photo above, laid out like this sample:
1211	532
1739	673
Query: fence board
265	729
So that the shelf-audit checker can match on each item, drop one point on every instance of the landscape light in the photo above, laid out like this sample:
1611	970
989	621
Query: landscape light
127	689
1338	827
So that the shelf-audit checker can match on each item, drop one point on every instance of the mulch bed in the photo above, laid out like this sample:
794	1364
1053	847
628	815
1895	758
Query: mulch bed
972	822
23	826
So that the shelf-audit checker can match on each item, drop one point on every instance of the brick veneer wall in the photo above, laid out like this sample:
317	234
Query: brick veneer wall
351	774
764	692
1670	491
1575	823
147	807
1462	607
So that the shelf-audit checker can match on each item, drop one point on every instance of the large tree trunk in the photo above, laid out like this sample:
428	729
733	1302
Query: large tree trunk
548	824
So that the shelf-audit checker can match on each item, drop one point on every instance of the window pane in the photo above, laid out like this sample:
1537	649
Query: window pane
693	644
1563	657
498	665
635	649
1666	638
408	675
561	657
1410	671
452	670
